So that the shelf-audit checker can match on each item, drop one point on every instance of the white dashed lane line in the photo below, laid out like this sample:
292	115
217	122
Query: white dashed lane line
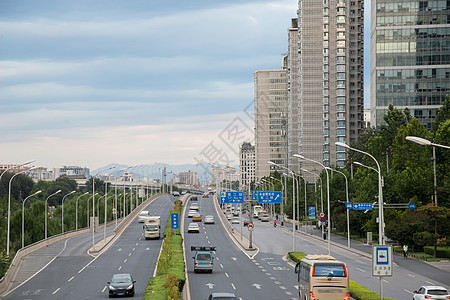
71	278
57	290
233	286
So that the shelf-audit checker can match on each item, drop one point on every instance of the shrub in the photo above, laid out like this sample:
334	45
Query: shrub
296	256
442	252
358	292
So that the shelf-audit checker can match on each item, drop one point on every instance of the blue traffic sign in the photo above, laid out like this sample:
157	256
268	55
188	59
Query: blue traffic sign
174	221
312	212
362	206
232	197
255	195
412	206
349	205
269	197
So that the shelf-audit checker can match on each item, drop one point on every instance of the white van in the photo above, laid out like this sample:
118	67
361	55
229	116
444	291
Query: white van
256	210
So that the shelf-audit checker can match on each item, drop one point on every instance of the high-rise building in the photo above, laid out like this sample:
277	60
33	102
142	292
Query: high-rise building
247	163
326	71
410	57
271	106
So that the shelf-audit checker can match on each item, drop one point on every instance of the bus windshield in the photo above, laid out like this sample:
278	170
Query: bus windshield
322	270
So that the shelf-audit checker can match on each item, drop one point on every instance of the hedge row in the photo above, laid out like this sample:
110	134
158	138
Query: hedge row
442	252
357	291
170	277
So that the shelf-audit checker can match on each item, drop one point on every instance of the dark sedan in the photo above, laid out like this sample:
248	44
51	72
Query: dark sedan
121	285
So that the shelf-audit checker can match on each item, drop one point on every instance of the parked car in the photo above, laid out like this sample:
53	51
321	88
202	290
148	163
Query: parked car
431	292
209	220
193	227
121	285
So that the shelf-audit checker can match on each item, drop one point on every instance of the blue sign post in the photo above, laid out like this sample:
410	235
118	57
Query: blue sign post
174	221
269	197
232	197
349	205
312	212
412	206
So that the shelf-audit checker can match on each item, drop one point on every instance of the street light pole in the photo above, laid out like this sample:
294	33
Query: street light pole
76	210
425	142
321	192
46	210
62	211
23	216
348	210
93	204
328	198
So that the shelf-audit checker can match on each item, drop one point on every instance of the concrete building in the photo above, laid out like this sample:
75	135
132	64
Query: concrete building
247	164
325	71
190	177
74	172
224	175
410	57
271	107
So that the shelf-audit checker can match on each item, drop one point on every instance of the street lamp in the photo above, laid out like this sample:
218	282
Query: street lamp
328	198
46	210
62	210
115	190
93	204
348	210
23	216
321	191
13	167
76	210
9	208
293	200
380	193
425	142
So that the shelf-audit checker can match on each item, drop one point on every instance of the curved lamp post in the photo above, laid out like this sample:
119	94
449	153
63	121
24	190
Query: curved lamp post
93	204
425	142
293	200
23	216
328	199
62	210
9	208
46	210
348	211
76	210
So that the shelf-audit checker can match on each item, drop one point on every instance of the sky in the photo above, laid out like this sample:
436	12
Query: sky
94	82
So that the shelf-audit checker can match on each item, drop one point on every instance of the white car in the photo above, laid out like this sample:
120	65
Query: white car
143	215
229	216
235	221
191	213
193	227
431	292
209	220
194	207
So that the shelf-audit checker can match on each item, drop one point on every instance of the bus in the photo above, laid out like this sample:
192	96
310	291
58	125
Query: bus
322	277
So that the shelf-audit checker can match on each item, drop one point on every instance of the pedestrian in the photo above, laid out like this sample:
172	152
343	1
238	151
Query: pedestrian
405	251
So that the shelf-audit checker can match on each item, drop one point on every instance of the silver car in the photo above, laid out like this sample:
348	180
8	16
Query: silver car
209	220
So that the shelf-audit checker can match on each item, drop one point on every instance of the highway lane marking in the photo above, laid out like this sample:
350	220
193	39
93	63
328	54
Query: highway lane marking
125	260
71	279
233	286
410	275
273	278
282	287
104	288
129	254
260	267
206	236
277	282
133	249
360	270
385	281
120	268
288	293
429	282
217	258
209	242
221	266
57	290
268	274
264	270
409	292
137	243
226	274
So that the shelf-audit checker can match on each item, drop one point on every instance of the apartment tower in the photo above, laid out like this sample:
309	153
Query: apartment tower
325	68
271	106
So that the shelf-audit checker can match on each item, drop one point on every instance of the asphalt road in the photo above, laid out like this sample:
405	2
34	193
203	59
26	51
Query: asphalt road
76	275
408	275
266	277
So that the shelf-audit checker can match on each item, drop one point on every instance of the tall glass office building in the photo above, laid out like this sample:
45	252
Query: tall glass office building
410	57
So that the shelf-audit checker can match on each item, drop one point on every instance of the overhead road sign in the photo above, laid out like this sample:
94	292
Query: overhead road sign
269	197
232	197
362	206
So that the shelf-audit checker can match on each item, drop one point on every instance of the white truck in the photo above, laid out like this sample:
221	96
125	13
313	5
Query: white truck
152	227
